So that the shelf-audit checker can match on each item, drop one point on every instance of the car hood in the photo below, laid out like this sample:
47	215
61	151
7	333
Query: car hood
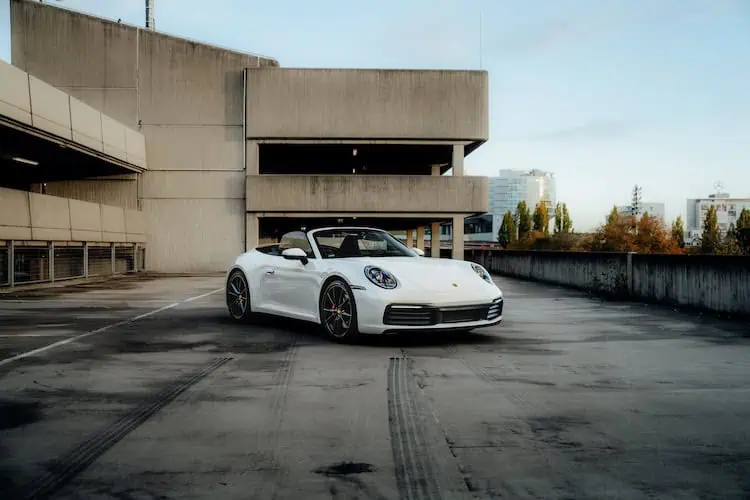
430	275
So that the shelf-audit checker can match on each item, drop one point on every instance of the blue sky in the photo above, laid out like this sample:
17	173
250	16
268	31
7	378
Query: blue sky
604	93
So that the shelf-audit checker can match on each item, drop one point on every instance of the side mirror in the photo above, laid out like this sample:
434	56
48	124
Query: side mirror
418	251
295	254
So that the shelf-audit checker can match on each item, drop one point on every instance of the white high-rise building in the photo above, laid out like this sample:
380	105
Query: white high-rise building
506	191
651	208
727	211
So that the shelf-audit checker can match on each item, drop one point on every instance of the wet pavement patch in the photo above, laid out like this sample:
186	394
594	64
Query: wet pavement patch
18	413
345	469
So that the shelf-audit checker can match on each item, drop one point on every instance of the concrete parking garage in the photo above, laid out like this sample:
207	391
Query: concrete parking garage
144	389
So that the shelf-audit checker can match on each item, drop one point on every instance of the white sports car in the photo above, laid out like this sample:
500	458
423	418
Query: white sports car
358	280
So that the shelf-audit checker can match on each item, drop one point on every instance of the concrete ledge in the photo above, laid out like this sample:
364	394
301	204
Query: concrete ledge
33	216
717	283
366	193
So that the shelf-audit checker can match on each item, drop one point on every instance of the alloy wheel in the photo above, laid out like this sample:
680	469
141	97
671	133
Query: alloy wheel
237	296
338	310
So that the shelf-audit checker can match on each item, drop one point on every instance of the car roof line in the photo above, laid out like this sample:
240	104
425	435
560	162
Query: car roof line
346	227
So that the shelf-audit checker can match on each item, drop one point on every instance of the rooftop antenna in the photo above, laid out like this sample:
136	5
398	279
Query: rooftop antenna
635	207
150	14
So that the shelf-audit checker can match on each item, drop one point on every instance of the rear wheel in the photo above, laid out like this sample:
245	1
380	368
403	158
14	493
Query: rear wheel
238	296
338	312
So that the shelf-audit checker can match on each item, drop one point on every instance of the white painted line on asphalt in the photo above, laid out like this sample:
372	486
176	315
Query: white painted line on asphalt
204	295
100	330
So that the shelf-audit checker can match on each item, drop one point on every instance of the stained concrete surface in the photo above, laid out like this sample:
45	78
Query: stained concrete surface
571	397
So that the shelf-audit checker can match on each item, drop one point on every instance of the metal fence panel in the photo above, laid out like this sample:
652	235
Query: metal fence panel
27	262
31	265
100	260
69	263
124	259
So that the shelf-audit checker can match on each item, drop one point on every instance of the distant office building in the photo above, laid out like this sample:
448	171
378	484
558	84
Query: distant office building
505	192
652	209
727	211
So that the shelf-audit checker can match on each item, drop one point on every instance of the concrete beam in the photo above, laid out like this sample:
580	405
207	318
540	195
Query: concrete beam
309	103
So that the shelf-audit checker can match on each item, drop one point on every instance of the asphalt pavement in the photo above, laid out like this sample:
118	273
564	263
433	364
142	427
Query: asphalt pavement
142	388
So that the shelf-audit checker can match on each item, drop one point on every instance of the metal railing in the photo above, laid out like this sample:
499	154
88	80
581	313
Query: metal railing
27	262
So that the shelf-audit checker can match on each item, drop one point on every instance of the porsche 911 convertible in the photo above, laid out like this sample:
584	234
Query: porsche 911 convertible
359	280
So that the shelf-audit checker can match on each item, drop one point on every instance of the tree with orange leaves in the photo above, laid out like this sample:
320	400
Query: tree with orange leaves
615	235
652	237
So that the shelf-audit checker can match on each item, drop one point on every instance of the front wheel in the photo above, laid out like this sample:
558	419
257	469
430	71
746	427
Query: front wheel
238	296
338	312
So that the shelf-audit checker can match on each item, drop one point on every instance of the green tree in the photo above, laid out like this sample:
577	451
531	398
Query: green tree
711	236
731	243
541	218
558	218
678	232
507	234
743	221
523	220
567	222
743	231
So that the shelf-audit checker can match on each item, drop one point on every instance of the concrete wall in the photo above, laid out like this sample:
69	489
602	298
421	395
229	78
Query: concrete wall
32	216
366	193
188	99
367	104
711	282
29	100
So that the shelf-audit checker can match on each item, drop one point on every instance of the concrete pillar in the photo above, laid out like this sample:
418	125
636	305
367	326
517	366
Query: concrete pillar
436	170
435	240
86	259
11	262
458	160
409	238
420	238
252	158
252	231
458	237
51	250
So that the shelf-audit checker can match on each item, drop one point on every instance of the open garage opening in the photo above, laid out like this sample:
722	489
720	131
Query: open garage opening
354	159
412	231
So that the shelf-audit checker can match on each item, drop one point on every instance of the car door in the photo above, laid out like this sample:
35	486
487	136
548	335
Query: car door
295	286
290	286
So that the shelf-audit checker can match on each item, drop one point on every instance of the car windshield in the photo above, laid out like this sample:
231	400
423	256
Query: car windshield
342	243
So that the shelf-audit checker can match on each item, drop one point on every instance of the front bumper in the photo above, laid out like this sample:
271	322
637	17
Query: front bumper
379	312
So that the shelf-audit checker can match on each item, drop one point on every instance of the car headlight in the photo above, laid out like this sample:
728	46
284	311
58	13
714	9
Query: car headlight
381	278
482	272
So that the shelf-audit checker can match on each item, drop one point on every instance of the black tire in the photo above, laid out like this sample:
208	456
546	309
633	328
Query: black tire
238	297
335	305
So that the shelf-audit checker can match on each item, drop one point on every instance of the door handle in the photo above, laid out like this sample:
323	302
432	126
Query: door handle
270	271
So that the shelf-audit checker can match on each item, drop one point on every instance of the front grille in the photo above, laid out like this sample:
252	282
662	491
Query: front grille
495	309
409	316
462	315
415	315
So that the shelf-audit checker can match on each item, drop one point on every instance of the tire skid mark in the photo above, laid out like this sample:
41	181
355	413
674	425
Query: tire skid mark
416	467
67	467
448	441
274	418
